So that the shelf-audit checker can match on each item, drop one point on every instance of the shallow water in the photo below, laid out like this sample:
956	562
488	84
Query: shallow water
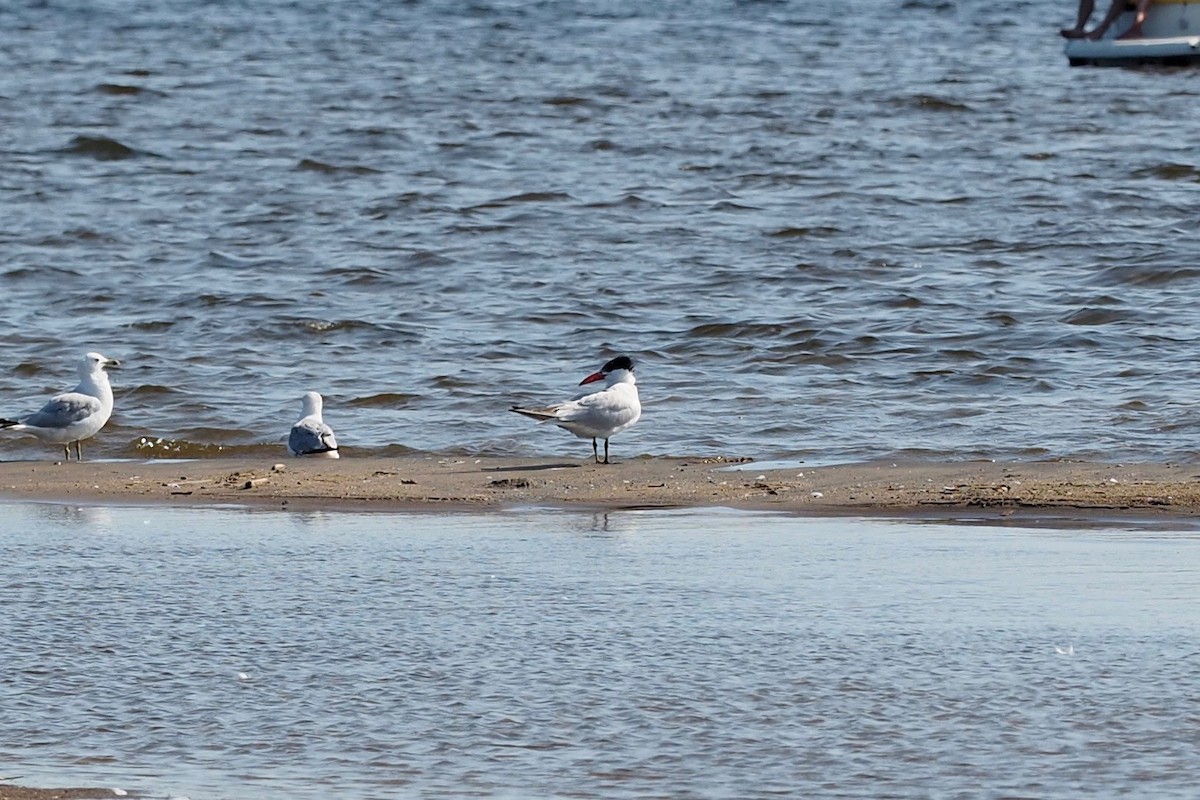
843	229
223	653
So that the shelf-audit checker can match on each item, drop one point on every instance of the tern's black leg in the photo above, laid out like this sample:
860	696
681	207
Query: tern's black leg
67	451
79	451
606	451
595	452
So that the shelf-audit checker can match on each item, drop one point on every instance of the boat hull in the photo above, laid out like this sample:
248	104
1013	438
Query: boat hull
1171	37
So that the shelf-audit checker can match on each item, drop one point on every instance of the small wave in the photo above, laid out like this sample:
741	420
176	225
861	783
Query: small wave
751	330
359	276
49	274
209	300
75	236
100	148
567	100
783	363
218	258
149	390
576	318
381	210
799	233
288	327
524	197
1096	316
327	325
312	165
427	258
479	230
157	447
1149	275
1008	370
961	354
726	205
120	89
928	5
1001	318
152	326
927	102
627	201
383	400
1170	172
162	448
903	301
249	301
451	382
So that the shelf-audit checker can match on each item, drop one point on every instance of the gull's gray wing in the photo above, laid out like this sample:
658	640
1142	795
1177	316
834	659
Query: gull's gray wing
308	437
63	410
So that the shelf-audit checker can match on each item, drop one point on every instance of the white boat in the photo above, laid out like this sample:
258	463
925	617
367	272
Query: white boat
1170	36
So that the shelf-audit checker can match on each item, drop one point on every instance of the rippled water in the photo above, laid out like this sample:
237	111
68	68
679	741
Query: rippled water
848	229
233	654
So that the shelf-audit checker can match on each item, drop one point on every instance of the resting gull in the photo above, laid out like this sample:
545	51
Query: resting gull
310	435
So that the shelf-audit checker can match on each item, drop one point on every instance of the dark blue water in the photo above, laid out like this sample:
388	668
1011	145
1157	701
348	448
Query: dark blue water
231	654
841	229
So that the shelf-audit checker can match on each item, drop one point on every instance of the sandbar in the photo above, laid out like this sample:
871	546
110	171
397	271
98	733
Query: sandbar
11	792
456	483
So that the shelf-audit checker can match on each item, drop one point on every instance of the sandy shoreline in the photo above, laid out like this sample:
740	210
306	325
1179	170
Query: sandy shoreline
13	792
425	482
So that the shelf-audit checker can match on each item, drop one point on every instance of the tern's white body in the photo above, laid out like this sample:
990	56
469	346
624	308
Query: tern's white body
310	436
597	415
76	415
601	414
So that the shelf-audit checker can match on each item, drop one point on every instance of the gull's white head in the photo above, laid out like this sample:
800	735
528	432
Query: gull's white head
95	362
312	404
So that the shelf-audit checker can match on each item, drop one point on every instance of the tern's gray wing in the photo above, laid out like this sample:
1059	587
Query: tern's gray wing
63	410
311	437
606	407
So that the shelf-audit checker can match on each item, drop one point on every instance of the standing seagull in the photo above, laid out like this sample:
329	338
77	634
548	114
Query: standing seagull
310	435
76	415
601	414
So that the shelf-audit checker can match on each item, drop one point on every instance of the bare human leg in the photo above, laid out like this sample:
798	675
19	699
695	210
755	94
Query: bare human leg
1139	16
1085	12
1114	11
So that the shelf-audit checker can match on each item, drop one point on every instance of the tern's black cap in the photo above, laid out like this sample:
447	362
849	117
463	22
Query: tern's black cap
620	362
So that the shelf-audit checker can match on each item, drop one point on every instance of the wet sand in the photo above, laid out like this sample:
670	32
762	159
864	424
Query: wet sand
422	482
9	792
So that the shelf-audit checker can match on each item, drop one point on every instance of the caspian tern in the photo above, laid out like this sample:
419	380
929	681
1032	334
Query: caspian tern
310	435
75	415
601	414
